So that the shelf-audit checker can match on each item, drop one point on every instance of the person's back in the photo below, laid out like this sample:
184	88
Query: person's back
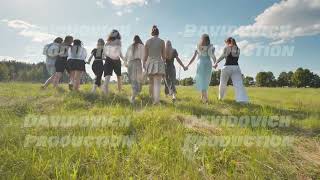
155	48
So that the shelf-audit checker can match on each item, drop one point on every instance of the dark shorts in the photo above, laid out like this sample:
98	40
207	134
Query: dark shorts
61	64
112	65
76	65
97	67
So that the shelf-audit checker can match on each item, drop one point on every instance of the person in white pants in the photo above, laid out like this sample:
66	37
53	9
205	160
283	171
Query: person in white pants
231	70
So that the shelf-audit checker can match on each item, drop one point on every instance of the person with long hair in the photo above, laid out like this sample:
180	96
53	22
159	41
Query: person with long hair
61	62
153	63
231	70
112	53
97	65
171	55
205	52
133	60
76	57
51	51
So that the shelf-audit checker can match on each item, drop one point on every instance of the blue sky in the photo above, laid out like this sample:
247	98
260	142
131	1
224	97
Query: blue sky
25	26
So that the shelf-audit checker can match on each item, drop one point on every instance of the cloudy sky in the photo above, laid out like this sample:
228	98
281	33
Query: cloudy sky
273	35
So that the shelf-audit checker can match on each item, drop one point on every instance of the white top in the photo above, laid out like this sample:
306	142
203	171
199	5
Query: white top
207	51
227	50
113	50
81	55
138	54
51	51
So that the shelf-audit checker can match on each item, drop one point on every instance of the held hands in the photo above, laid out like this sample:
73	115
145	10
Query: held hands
215	66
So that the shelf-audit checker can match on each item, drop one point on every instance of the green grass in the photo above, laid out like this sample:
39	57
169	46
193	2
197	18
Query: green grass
160	133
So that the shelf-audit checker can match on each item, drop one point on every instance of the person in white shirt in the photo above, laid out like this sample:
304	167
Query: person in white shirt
112	53
133	61
61	62
51	51
231	69
76	58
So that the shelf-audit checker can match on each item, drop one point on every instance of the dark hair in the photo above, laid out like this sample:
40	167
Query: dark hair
114	35
58	40
101	42
205	40
231	40
136	41
155	31
68	39
77	43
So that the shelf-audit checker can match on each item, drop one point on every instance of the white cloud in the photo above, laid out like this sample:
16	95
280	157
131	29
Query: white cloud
100	4
284	21
128	2
29	30
247	48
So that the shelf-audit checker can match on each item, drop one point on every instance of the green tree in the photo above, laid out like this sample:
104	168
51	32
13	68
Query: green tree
284	79
187	81
215	78
302	78
248	81
265	79
315	82
4	72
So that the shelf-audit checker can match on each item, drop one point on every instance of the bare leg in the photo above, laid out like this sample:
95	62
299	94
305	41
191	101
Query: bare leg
50	80
151	86
204	96
119	83
57	78
106	85
76	80
156	89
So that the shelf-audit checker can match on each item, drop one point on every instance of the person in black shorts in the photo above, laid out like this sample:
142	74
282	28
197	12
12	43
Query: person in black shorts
112	53
76	61
61	62
97	65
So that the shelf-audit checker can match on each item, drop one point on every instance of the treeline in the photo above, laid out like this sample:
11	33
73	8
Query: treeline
300	78
20	71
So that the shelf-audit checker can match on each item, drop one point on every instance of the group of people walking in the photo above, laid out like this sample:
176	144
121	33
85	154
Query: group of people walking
155	59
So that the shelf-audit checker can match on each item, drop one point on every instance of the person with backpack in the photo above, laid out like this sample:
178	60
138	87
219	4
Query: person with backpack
76	58
51	51
61	62
231	70
97	65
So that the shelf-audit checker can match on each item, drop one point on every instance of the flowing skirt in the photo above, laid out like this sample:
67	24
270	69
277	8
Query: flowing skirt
135	74
204	73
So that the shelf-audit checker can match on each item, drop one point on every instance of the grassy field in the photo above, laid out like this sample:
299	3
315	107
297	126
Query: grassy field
160	133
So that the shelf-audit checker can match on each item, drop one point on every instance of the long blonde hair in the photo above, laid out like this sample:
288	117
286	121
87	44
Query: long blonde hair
169	50
204	40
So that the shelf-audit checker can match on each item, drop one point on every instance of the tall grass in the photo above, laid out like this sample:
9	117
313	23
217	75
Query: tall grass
160	133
